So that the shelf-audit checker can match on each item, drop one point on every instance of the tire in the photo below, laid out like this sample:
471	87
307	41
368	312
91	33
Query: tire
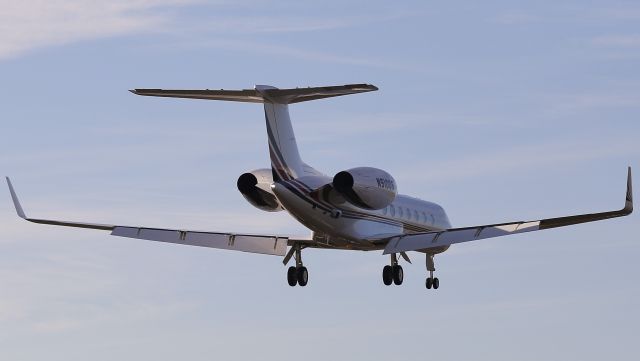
436	283
428	283
292	276
398	275
303	276
387	275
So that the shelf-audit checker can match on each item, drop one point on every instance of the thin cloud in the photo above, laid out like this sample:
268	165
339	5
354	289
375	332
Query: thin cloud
262	48
517	18
629	13
32	24
317	127
291	24
562	105
568	13
528	157
624	41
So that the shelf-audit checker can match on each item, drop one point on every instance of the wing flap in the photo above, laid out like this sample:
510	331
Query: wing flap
424	241
272	245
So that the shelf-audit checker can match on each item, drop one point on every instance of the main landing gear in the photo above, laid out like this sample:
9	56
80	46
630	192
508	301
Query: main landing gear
431	282
297	275
393	273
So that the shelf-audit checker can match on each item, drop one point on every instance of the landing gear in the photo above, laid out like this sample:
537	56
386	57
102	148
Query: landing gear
292	276
297	275
392	273
398	275
431	282
303	276
387	275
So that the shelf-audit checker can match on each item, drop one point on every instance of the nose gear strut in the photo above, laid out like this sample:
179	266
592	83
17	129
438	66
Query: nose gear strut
431	267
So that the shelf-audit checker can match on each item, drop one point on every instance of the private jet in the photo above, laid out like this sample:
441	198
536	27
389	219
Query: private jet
357	209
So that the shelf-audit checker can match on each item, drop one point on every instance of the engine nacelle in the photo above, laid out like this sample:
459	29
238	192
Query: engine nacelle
366	187
255	186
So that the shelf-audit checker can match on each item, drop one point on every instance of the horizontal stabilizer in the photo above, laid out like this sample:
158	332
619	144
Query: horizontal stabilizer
261	93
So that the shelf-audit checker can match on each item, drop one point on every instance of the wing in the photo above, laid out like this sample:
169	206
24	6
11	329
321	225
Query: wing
425	241
265	244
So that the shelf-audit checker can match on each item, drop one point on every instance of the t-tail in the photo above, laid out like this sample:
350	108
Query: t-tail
283	149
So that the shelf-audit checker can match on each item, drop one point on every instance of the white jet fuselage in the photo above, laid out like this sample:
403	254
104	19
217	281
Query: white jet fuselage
346	226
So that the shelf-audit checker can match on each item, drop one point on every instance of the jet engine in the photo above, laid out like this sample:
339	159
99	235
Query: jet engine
255	186
366	187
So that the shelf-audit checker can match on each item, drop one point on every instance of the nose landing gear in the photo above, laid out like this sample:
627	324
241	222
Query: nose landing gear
431	282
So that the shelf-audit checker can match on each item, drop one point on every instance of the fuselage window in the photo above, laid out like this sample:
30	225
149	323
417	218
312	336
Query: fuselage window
433	220
408	214
400	212
416	217
393	210
424	218
384	211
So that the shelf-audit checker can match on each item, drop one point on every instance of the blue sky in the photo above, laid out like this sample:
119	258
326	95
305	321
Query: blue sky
498	111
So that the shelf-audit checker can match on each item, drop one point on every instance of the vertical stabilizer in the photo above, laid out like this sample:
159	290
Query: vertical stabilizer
283	149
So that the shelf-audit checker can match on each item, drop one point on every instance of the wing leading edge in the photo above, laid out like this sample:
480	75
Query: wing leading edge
253	243
425	241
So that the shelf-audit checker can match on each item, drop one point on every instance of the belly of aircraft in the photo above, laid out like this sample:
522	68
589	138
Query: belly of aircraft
346	230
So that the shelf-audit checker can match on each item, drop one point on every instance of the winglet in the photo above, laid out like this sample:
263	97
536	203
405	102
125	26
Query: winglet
16	202
628	204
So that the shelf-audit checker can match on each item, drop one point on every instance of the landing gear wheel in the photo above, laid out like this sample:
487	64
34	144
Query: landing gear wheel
429	282
387	275
398	274
302	276
436	283
292	276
